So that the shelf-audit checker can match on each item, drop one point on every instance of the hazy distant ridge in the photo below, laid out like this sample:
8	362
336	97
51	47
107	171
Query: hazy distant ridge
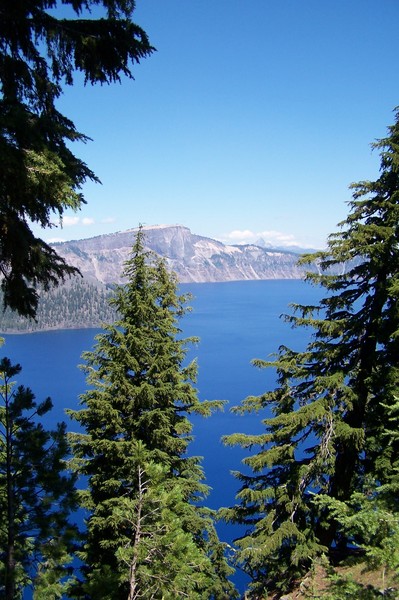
194	258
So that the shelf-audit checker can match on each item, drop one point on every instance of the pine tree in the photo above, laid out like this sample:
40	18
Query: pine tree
330	409
370	519
134	450
40	177
36	495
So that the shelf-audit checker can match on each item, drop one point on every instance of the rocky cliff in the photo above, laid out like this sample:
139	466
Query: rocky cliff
84	302
194	258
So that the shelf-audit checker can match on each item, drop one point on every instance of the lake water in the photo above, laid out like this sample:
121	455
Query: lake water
235	321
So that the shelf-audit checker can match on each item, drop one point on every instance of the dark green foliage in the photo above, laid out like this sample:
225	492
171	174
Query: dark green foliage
73	305
370	519
326	434
374	530
39	175
36	495
134	451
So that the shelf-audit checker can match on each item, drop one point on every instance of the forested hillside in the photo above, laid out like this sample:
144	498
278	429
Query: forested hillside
75	304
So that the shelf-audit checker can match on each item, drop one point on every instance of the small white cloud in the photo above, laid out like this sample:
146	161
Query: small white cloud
69	221
278	236
55	240
108	220
240	235
246	236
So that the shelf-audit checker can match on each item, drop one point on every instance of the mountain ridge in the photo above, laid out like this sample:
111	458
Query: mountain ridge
194	258
84	301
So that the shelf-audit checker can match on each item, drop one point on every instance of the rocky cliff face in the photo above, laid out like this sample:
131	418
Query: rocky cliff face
194	258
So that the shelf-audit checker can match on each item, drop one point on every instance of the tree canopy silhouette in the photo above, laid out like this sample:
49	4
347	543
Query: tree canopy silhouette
40	177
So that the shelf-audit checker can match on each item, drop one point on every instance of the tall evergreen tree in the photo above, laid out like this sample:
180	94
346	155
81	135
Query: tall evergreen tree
134	450
331	407
36	495
40	177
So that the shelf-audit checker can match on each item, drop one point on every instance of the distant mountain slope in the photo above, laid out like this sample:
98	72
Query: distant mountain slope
75	305
194	258
83	302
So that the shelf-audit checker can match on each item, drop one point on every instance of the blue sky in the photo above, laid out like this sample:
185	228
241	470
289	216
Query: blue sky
250	120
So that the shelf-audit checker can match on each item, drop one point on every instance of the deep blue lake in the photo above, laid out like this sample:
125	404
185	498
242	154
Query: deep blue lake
235	321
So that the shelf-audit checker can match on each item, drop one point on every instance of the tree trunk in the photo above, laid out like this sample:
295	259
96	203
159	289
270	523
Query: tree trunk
347	460
10	551
133	583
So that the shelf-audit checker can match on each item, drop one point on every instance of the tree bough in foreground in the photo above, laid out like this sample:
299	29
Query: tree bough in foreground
40	177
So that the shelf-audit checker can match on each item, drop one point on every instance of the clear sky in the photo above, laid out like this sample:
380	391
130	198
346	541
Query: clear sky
250	120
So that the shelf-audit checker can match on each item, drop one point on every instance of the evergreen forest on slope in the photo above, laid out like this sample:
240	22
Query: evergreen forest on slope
72	305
